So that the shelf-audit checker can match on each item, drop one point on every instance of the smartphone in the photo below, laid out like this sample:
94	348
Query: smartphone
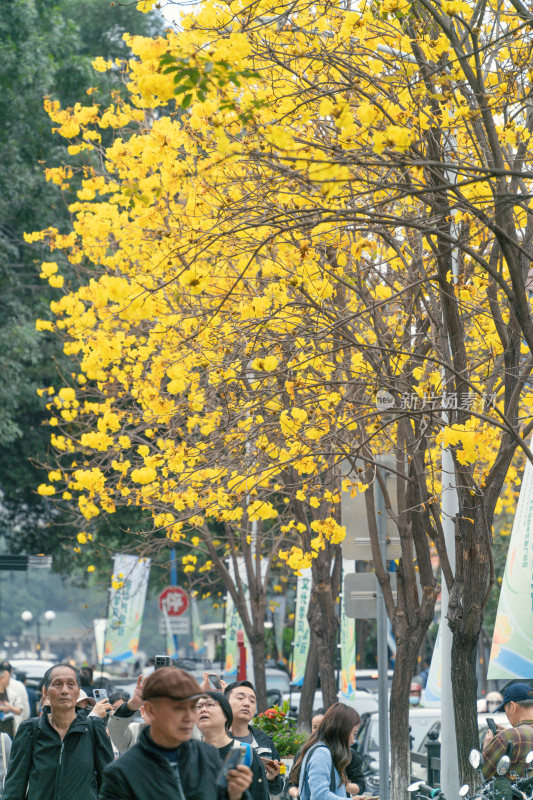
100	694
162	661
492	725
214	680
241	753
268	762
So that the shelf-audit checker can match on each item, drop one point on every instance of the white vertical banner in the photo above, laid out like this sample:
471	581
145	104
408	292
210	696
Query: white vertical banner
99	637
433	690
126	606
302	634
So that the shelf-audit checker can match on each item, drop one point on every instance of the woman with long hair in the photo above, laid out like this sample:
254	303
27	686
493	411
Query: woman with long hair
320	768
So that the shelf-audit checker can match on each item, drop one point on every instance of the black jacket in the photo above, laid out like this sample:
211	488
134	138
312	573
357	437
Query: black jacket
259	787
142	773
354	770
265	743
42	767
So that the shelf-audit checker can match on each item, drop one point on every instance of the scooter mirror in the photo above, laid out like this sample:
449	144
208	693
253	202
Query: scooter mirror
414	787
502	767
475	758
529	757
463	791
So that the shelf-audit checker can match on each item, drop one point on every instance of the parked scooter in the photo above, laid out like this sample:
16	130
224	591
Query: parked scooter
423	791
505	785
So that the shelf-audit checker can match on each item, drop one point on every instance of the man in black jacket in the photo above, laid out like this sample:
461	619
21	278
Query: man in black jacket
166	761
241	696
61	755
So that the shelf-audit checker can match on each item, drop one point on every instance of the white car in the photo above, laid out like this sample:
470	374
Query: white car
362	701
33	667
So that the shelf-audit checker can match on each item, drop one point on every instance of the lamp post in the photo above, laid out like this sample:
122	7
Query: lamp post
27	618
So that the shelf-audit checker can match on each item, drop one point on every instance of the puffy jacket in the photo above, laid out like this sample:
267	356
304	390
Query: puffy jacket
42	767
124	733
263	743
142	773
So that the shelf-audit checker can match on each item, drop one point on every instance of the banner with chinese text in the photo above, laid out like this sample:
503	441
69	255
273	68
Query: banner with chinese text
301	627
126	606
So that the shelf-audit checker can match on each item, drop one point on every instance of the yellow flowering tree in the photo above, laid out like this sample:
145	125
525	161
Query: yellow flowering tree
318	254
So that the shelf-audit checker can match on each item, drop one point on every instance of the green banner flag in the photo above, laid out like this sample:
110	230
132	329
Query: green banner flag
233	625
126	607
301	627
197	637
512	644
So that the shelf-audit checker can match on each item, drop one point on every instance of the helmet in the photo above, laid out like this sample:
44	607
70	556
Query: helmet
494	701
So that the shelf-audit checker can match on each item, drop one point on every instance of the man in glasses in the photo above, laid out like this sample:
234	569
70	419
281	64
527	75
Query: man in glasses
166	761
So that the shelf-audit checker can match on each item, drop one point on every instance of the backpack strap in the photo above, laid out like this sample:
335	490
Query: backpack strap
332	779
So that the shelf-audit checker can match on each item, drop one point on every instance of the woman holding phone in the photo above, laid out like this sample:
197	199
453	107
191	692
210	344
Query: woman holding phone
214	718
320	768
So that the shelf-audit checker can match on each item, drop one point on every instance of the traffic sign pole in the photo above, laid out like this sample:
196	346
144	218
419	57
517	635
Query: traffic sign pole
174	582
173	603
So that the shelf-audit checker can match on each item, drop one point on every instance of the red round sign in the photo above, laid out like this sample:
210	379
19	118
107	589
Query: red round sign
174	600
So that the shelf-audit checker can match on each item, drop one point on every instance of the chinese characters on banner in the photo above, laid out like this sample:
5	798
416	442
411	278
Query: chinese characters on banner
512	644
126	606
301	627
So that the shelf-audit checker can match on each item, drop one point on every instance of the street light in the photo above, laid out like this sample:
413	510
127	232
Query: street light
27	618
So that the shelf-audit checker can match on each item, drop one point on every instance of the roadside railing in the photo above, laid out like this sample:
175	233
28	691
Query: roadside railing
429	762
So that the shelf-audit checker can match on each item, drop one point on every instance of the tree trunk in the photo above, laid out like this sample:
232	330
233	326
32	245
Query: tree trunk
473	579
323	619
464	687
257	644
400	746
305	712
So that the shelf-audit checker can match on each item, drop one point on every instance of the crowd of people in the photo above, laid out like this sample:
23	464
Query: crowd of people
173	738
178	739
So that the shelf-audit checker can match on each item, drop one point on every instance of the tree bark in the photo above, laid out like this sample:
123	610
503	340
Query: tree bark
464	687
404	667
257	644
305	712
323	618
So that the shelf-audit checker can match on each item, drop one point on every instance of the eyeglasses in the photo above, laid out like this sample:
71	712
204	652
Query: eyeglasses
208	704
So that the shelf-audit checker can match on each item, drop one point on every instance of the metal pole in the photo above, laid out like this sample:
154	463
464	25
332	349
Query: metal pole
108	601
449	769
383	655
449	774
174	582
